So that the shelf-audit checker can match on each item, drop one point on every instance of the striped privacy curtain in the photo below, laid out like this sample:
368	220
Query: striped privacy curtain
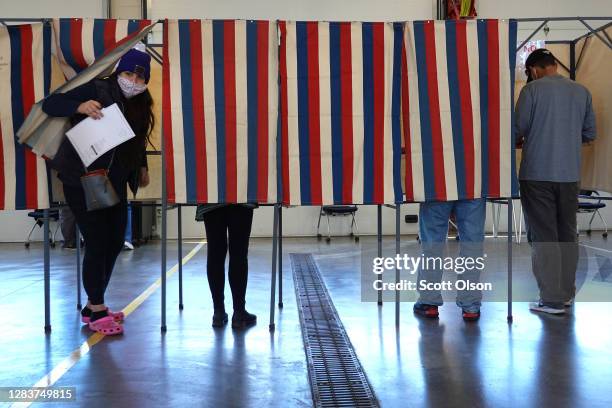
355	98
340	86
25	74
220	98
81	41
457	111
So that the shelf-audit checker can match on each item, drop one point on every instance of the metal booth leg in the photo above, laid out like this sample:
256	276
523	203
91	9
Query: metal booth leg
274	264
47	271
280	257
77	234
180	255
397	272
510	238
379	237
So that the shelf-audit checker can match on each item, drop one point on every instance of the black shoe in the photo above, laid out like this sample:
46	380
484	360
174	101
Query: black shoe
219	319
243	319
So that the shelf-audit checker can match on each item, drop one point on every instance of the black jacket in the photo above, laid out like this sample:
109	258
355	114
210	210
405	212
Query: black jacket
67	162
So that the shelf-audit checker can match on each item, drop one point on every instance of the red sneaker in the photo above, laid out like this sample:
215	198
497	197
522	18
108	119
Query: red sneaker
471	316
429	311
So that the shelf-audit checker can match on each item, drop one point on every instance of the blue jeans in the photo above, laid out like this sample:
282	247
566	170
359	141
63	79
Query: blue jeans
433	224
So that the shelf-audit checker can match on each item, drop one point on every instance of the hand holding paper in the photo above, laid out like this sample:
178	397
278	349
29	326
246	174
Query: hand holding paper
91	108
92	138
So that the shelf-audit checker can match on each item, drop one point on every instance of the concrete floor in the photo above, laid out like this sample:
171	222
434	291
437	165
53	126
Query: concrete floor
542	361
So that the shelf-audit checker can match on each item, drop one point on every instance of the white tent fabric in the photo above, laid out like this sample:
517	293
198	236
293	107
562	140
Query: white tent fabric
594	73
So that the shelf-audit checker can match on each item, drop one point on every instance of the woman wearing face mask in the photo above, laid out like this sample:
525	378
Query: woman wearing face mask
103	230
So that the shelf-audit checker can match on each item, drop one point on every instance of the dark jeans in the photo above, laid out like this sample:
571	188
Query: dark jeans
550	209
103	232
228	228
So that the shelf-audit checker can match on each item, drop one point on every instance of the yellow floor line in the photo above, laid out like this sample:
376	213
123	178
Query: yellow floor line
62	368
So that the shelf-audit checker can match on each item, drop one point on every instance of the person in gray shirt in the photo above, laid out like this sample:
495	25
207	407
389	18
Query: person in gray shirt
554	116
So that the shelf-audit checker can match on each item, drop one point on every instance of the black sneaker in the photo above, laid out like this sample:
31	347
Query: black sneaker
425	310
219	319
243	319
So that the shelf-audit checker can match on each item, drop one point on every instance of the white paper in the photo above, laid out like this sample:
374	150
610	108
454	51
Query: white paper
523	53
92	138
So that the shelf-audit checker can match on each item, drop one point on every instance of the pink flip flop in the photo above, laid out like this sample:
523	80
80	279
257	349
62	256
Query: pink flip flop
119	317
107	326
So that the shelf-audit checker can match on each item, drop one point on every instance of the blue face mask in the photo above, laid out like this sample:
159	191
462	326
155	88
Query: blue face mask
130	88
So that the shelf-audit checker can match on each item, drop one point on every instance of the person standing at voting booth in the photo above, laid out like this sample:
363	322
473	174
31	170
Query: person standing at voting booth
103	225
554	116
433	231
228	228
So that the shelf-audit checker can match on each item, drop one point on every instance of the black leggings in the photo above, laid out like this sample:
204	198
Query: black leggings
228	228
103	232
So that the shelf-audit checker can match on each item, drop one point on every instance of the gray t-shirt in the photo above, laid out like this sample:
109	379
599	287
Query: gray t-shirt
554	115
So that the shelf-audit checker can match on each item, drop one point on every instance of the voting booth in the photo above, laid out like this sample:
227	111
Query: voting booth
297	113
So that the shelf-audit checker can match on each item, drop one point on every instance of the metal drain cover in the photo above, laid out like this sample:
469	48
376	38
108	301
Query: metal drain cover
336	376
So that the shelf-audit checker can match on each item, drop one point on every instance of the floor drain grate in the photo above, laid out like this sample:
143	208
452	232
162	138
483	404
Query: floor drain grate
336	376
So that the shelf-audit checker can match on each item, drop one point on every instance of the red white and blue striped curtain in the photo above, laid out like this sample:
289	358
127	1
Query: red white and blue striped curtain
457	109
220	98
340	89
25	74
80	41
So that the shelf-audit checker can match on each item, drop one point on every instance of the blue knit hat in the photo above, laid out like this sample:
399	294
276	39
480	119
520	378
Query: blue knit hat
135	61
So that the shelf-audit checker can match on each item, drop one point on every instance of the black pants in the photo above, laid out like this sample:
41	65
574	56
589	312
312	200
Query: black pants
103	232
228	228
550	211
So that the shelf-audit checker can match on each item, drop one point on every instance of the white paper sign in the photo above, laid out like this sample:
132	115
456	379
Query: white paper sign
92	138
523	53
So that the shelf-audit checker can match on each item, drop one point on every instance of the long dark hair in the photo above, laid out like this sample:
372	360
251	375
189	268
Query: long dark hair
138	111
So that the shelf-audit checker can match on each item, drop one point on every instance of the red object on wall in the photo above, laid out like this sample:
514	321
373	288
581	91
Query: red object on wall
456	9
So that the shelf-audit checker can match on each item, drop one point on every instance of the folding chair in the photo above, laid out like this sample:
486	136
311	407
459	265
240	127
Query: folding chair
496	204
592	207
39	216
338	210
